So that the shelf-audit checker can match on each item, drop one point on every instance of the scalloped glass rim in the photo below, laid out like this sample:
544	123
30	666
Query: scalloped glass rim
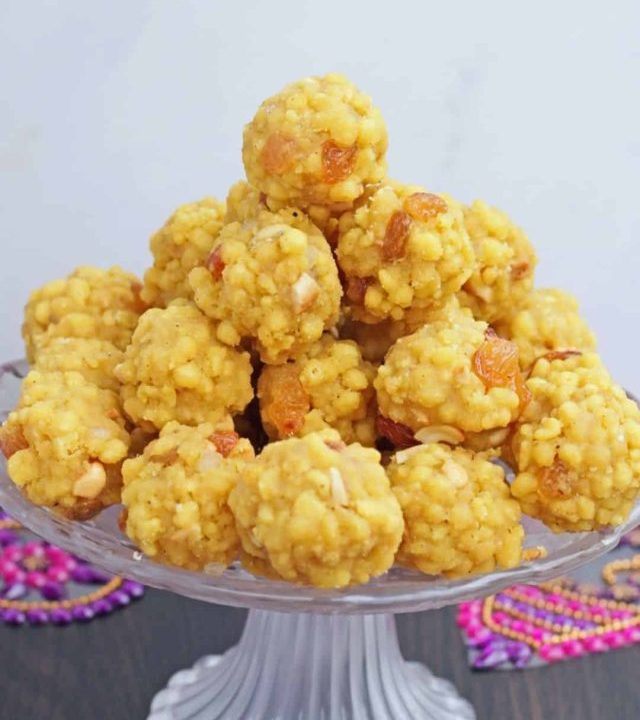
400	590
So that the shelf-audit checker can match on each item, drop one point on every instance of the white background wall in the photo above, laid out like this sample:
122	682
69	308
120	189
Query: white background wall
112	113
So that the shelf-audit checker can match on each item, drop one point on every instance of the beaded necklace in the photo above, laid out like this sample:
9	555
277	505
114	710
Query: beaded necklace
41	583
525	625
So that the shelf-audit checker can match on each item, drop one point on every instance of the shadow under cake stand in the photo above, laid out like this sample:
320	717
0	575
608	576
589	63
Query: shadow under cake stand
305	654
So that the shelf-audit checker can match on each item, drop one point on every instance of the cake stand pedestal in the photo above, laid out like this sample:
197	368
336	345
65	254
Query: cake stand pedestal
305	654
294	666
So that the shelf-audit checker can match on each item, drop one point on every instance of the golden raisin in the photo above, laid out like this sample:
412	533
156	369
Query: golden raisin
424	206
81	510
215	263
12	439
520	270
284	402
122	520
495	362
357	289
138	303
555	481
225	441
337	161
394	244
400	435
278	153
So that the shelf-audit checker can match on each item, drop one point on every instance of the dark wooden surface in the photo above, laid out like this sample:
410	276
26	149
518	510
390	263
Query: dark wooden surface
110	668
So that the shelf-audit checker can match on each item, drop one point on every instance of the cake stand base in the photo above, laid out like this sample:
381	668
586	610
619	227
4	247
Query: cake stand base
310	667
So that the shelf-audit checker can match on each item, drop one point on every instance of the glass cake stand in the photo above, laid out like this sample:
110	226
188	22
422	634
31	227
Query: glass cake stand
305	654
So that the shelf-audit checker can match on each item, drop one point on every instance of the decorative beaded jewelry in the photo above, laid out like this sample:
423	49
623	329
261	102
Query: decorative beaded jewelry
557	620
31	567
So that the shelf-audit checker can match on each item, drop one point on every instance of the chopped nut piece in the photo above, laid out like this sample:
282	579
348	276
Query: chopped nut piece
488	439
338	490
90	484
455	473
402	456
271	231
439	433
305	290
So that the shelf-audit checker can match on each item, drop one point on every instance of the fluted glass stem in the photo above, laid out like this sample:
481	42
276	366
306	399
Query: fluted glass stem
310	667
